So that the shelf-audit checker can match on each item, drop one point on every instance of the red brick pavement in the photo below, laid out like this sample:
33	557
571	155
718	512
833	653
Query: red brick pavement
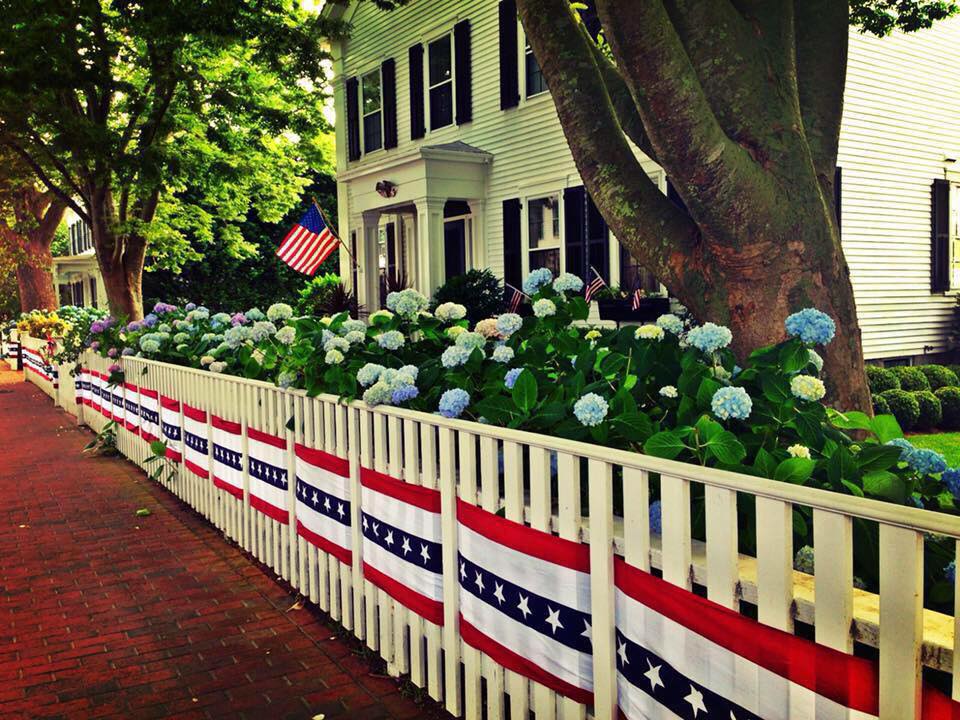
104	614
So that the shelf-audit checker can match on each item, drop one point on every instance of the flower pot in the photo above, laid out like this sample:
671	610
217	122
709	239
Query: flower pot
621	310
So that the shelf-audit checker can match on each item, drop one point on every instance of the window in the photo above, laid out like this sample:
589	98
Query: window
955	236
543	233
440	77
370	107
534	84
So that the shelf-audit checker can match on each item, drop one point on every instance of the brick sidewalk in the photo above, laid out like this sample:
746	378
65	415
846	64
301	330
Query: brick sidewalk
106	614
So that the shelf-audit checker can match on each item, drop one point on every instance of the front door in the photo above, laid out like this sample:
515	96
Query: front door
455	247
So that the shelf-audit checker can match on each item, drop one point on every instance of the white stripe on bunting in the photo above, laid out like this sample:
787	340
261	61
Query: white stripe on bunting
323	501
196	456
267	464
170	426
149	414
131	406
227	456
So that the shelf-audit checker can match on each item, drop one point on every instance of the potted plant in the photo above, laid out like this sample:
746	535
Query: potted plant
616	304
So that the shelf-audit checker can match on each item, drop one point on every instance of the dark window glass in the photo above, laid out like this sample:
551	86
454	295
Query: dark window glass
371	103
440	76
535	82
441	68
543	233
455	248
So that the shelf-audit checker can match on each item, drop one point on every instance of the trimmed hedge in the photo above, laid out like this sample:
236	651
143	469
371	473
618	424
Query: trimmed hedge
880	406
931	412
904	407
949	398
911	379
881	379
939	376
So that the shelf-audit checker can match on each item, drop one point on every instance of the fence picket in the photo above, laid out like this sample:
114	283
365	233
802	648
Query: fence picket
568	526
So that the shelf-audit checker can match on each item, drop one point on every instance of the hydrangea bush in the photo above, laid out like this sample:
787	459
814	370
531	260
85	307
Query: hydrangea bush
669	389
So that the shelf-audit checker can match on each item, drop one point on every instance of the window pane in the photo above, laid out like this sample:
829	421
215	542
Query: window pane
441	105
549	259
535	82
441	66
372	132
371	92
543	222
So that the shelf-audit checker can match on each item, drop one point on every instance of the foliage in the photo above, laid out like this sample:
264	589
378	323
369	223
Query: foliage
479	291
881	17
78	322
939	376
105	441
326	295
949	398
880	406
911	378
947	444
881	379
904	407
42	324
931	412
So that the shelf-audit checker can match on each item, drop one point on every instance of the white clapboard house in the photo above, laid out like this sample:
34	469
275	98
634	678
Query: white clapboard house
450	156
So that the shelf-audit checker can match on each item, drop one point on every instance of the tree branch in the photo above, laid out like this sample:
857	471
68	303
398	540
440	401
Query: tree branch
655	231
46	180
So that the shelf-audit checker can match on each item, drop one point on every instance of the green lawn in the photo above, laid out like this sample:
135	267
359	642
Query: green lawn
946	443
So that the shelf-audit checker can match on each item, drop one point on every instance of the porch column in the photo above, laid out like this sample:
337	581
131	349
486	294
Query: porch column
478	235
368	281
430	268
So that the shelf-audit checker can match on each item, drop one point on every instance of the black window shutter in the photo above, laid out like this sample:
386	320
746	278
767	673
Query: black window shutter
509	71
512	261
388	86
573	231
417	124
353	119
464	80
940	247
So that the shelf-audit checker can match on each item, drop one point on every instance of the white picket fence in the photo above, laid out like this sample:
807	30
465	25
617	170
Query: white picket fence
463	460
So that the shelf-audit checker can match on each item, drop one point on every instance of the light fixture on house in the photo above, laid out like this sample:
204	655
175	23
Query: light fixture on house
386	189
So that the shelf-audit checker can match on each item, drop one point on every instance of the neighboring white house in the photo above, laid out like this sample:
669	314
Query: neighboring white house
450	156
76	276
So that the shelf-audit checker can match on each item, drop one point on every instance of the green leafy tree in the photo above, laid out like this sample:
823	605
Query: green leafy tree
162	124
740	102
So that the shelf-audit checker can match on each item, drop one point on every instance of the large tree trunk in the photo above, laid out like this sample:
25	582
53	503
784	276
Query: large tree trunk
38	214
742	110
120	256
35	282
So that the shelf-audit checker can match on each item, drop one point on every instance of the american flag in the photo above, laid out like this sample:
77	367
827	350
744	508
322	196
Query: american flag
638	295
515	299
308	243
594	286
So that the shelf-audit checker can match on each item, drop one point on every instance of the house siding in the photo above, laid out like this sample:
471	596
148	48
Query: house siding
902	113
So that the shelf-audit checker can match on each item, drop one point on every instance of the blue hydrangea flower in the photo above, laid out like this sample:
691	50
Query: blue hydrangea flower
951	481
567	282
351	325
502	354
262	329
906	448
927	462
671	323
811	326
408	303
254	315
150	320
710	337
590	409
510	379
454	402
950	572
508	324
731	402
369	374
536	280
455	356
804	560
286	379
544	308
391	340
279	311
656	517
221	318
162	308
404	393
190	306
127	351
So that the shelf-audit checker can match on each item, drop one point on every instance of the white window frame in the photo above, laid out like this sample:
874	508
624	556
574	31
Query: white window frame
522	67
427	87
953	254
540	193
363	149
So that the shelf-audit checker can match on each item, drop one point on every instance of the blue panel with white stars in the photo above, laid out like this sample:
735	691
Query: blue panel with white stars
270	474
413	549
171	432
195	442
323	503
230	458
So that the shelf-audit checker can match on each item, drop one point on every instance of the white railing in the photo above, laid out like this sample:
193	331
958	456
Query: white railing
463	460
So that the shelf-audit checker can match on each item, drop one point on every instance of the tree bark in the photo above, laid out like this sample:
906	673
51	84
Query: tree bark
715	85
37	216
35	282
120	255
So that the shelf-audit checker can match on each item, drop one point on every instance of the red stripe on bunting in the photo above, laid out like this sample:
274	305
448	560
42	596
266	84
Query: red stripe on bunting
422	497
196	469
937	706
149	393
169	403
173	454
318	458
232	489
130	386
131	427
148	437
272	511
519	664
526	540
425	607
226	425
267	438
194	413
340	553
845	679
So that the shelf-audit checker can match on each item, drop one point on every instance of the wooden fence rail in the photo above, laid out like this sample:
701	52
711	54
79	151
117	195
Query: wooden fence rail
582	493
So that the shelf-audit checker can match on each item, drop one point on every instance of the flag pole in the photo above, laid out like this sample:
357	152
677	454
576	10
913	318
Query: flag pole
340	239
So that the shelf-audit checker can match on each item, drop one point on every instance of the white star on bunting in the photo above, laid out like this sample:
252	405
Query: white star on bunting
653	675
695	698
553	619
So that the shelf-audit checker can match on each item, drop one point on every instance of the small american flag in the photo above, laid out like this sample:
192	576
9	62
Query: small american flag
594	286
638	295
515	299
308	243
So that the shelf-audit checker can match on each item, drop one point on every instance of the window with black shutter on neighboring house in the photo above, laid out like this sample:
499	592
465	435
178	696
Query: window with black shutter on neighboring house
371	108
417	118
440	82
463	66
353	118
586	236
388	89
512	253
509	69
945	236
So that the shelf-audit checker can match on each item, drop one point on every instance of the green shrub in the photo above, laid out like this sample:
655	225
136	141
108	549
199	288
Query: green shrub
955	369
881	379
479	291
939	376
880	405
931	412
911	379
904	407
949	398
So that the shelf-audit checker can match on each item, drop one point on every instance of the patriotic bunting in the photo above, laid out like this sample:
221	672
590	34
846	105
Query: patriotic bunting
268	474
170	425
525	600
13	350
227	456
401	542
95	390
106	396
33	361
82	385
323	501
196	457
131	407
149	415
117	413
